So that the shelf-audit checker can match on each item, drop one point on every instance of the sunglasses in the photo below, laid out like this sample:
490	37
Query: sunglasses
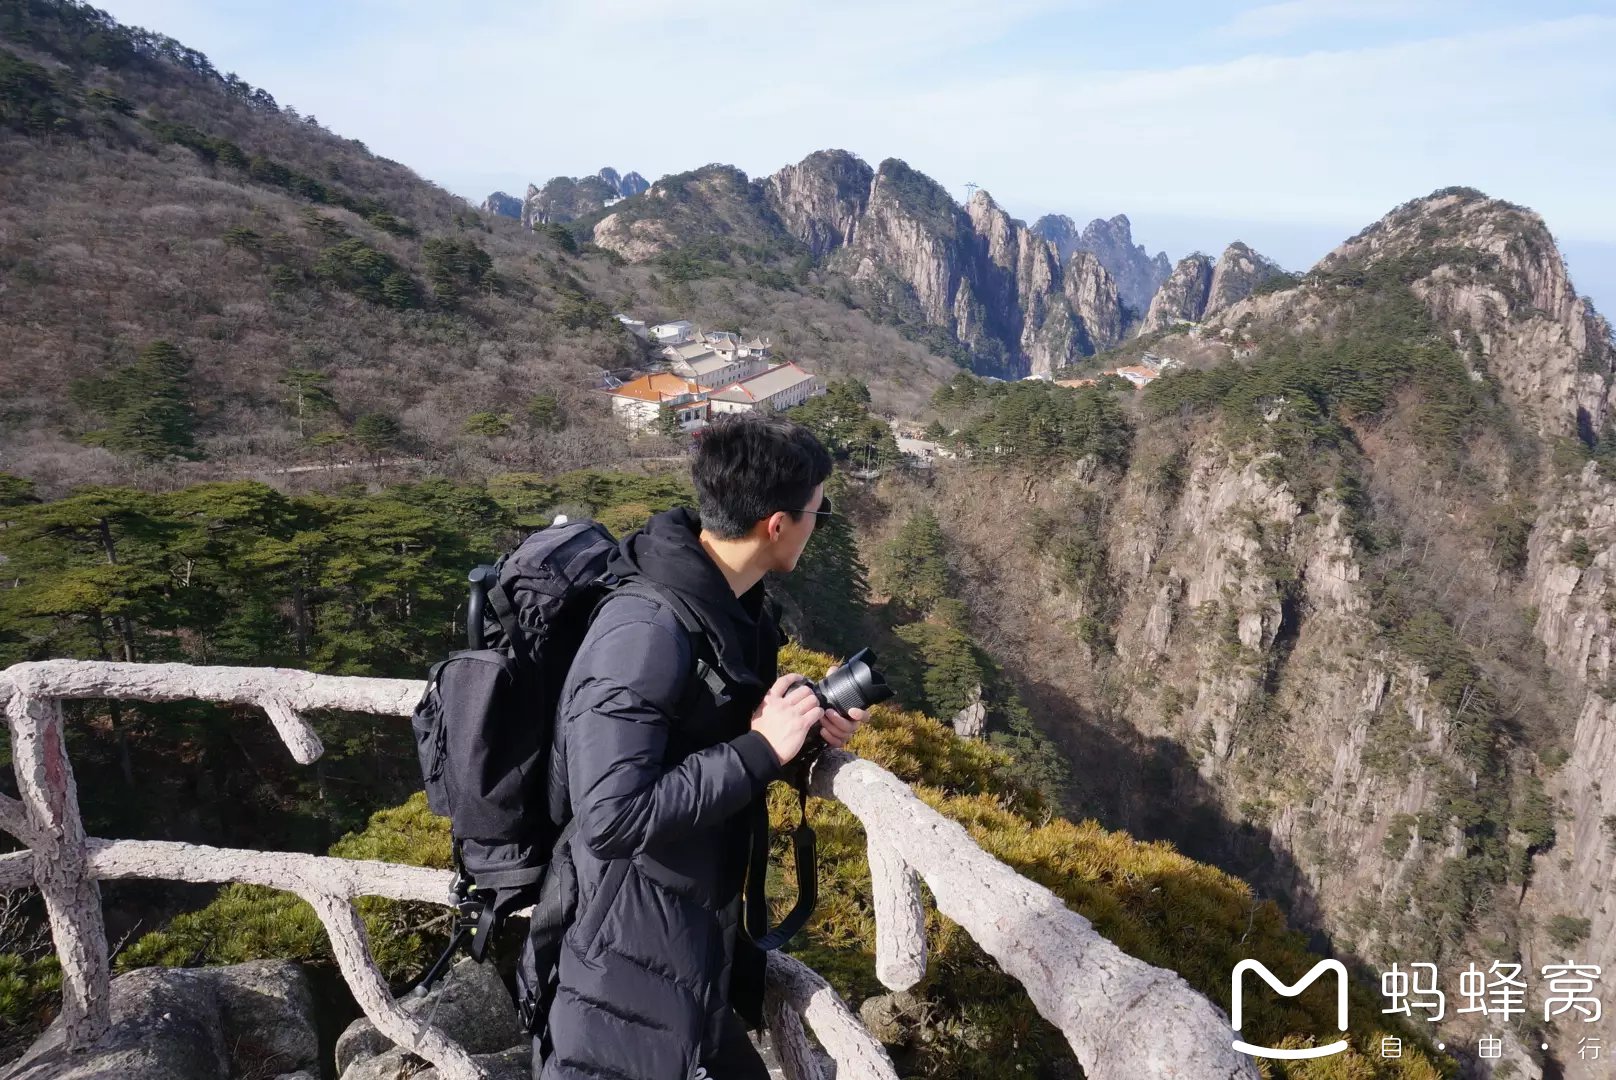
824	508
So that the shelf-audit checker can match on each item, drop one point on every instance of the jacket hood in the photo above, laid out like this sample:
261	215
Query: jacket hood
667	552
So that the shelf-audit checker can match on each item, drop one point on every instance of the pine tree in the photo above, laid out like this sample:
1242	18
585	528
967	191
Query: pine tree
488	424
146	405
377	433
953	668
830	583
913	567
668	422
308	395
399	291
16	491
544	413
454	266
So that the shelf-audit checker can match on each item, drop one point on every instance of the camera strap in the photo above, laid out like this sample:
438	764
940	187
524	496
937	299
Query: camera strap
803	846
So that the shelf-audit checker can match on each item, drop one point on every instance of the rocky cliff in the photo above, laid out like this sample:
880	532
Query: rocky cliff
568	198
626	185
1182	297
1138	275
988	281
1491	272
1239	272
1357	592
1199	288
823	198
504	205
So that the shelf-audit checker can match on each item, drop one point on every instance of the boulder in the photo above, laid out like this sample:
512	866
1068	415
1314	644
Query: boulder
192	1024
470	1004
512	1064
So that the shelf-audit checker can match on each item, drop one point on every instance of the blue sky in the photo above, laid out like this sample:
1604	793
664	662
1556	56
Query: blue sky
1287	124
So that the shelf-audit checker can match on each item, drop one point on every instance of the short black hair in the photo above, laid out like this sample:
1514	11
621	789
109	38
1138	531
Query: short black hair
748	466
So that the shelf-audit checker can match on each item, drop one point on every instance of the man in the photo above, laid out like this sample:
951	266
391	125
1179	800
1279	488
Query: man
666	767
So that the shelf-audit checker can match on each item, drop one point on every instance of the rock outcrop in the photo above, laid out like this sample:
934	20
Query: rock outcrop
1237	275
823	198
254	1019
469	1003
1491	272
1199	289
503	205
1017	276
626	185
567	198
1091	293
1182	297
1137	274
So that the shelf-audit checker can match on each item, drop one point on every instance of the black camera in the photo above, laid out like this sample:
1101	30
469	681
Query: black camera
857	684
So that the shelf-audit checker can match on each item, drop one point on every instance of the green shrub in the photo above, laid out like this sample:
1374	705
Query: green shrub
1568	931
250	922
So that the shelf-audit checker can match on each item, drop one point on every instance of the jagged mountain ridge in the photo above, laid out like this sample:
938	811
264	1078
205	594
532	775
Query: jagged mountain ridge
989	281
1199	288
1004	291
1138	275
566	198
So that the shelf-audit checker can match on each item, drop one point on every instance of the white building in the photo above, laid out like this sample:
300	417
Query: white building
676	355
633	326
756	347
673	333
780	387
713	370
922	451
639	402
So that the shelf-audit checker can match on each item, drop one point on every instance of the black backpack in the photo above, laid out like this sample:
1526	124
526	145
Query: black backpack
484	732
483	727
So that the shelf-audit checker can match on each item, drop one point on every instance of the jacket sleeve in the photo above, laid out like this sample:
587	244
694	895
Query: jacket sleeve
618	705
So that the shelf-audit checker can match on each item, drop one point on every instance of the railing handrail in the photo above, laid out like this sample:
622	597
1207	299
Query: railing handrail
1121	1016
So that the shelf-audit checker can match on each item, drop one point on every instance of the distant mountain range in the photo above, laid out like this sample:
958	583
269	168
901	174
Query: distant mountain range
566	198
1021	301
1137	274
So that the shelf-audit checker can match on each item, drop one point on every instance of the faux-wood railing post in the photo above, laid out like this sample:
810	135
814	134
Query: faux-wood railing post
72	899
900	918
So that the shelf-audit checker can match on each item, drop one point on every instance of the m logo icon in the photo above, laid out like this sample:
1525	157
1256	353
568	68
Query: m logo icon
1235	1011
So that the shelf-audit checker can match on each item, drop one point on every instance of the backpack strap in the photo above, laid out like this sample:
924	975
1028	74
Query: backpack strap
706	672
506	614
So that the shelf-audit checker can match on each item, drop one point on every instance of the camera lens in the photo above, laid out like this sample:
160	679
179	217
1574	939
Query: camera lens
855	685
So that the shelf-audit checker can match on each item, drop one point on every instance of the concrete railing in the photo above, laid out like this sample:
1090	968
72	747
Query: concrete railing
1123	1017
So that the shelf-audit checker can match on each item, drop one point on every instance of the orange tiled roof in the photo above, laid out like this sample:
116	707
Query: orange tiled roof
656	387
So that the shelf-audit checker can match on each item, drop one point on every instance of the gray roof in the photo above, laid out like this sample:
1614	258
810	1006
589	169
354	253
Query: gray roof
707	365
766	385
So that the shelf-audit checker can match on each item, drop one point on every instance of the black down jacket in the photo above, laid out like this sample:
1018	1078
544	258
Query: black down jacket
666	782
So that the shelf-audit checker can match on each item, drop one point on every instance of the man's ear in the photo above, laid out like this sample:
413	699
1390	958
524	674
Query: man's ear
773	525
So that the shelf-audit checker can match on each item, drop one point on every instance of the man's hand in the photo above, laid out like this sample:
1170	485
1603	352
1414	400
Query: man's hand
836	728
787	714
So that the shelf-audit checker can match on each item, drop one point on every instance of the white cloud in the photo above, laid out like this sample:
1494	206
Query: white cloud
1329	136
1287	17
